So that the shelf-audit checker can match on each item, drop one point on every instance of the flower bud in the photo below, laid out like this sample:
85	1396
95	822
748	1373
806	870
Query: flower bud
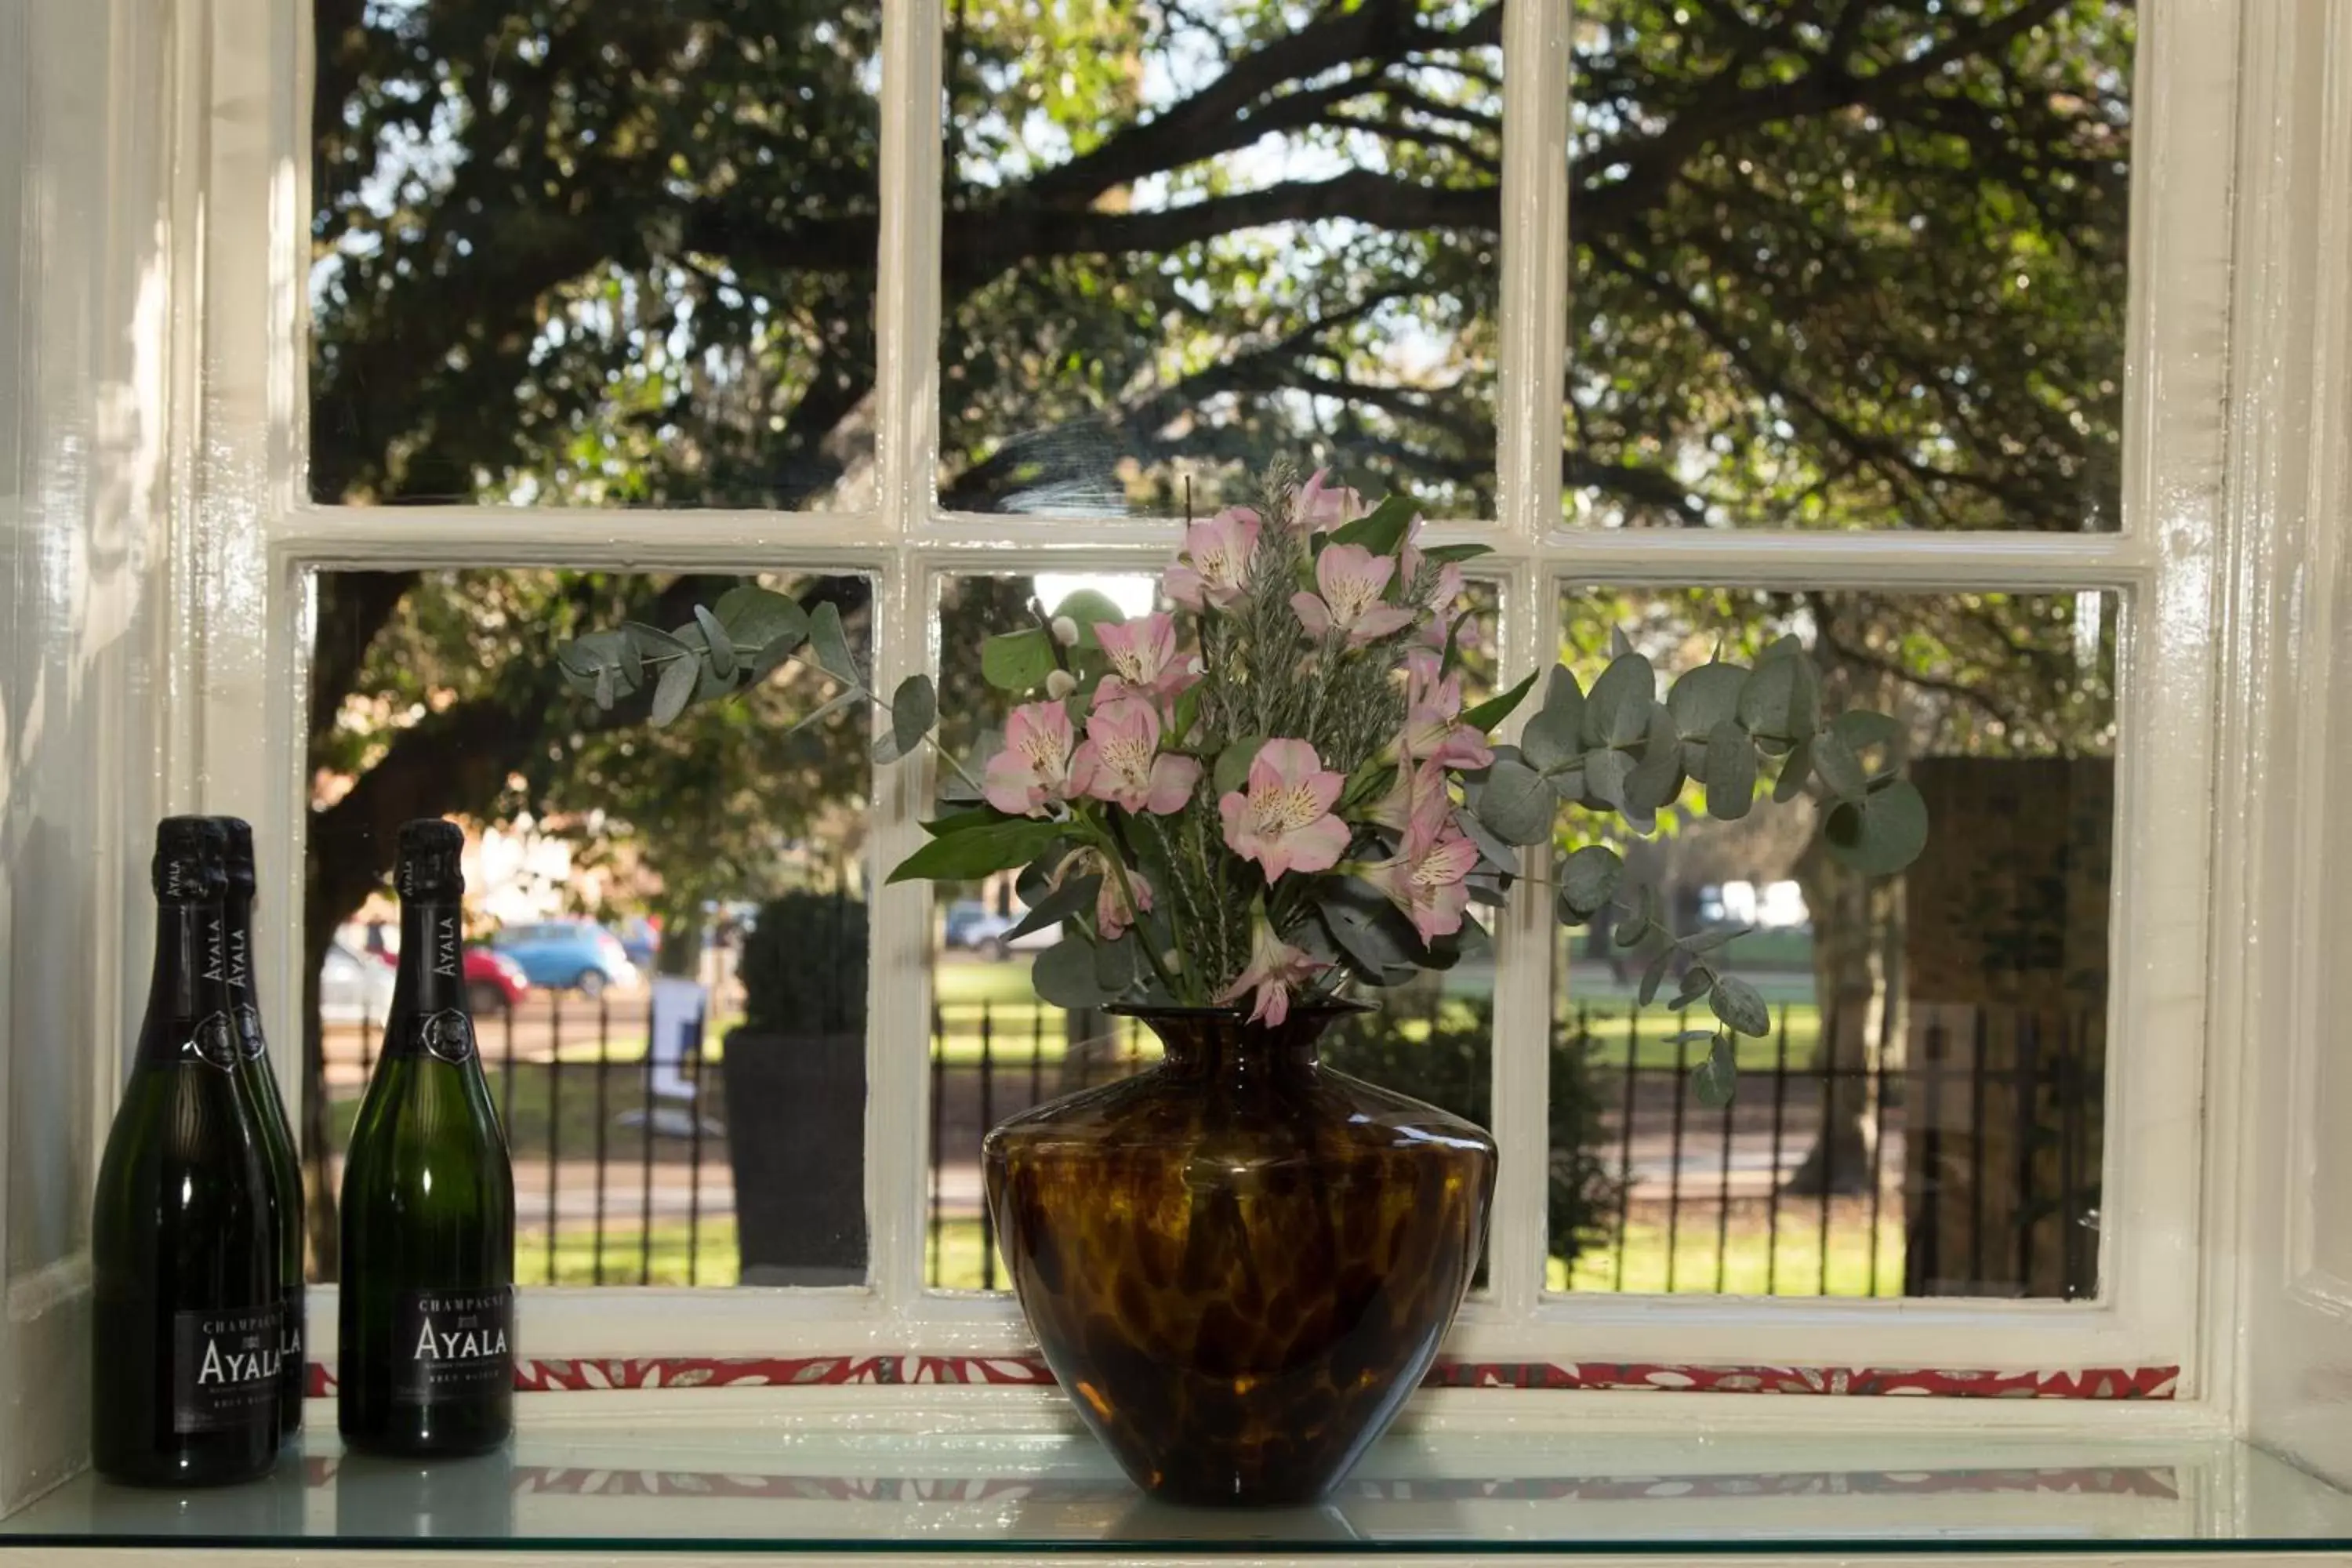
1065	631
1060	683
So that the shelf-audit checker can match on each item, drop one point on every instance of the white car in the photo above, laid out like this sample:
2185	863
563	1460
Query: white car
353	987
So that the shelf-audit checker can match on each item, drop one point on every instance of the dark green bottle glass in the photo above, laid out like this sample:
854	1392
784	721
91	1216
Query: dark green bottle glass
185	1361
269	1107
426	1354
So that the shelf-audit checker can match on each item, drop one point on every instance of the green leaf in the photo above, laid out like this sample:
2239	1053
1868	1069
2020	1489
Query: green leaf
960	821
1881	834
1188	714
1764	701
1860	727
1518	802
1232	771
1445	553
1605	773
1065	976
977	851
1715	1082
1705	696
913	710
831	646
1089	608
1369	780
1118	965
1738	1004
1730	772
715	638
826	709
1655	975
1362	923
1641	919
1075	896
1697	980
1838	768
1617	709
675	689
1491	845
1486	715
1553	738
1657	779
761	617
1588	880
603	687
1708	940
1793	773
1017	661
1382	529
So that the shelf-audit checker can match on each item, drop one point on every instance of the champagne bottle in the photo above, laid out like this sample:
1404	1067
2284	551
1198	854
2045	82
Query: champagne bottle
260	1085
425	1352
184	1362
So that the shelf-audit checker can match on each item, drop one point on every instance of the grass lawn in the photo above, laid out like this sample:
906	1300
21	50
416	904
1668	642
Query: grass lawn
714	1259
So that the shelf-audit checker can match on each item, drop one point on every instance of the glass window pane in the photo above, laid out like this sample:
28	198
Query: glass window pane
1925	1118
997	1049
593	255
681	1088
1860	273
1183	238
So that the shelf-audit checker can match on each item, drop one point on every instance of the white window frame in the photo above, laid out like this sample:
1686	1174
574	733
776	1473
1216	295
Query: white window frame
235	725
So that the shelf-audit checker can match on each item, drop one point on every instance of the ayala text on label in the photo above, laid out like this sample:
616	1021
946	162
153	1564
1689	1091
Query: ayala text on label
224	1368
453	1344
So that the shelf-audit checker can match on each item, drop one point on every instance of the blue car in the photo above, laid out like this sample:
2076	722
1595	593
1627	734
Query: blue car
576	955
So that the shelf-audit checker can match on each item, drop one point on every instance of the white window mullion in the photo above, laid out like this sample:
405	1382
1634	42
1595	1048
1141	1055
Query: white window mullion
1528	454
907	311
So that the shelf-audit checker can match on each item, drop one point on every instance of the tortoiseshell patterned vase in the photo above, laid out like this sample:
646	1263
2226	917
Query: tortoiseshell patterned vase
1237	1263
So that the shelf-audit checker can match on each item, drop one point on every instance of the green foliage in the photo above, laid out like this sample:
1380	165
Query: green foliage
1451	1066
804	966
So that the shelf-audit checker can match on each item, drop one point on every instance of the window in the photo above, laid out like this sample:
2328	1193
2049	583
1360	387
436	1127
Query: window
917	298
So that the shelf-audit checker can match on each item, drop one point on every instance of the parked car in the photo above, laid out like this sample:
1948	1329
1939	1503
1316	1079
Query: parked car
352	989
576	955
971	924
493	981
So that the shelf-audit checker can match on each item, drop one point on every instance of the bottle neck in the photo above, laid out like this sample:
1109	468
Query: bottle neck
236	952
189	986
432	960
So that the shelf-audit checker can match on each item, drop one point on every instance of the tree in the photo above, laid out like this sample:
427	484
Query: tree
1839	263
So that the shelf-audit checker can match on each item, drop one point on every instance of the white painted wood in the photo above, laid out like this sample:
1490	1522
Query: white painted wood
86	443
2284	995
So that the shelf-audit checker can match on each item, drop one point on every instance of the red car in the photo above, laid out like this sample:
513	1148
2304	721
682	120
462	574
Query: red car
494	981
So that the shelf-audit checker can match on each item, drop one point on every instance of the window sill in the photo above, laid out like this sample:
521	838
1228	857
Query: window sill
740	1480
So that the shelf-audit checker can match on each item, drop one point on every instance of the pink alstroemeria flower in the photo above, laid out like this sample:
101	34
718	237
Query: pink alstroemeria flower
1143	656
1284	821
1035	765
1110	909
1427	877
1215	566
1352	579
1120	760
1415	782
1433	730
1322	508
1276	970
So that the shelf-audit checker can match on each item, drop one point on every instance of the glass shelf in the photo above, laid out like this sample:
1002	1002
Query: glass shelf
616	1486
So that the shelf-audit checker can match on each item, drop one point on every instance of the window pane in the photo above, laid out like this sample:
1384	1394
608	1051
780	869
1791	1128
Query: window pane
1925	1118
682	1088
1859	274
1182	238
593	255
996	1048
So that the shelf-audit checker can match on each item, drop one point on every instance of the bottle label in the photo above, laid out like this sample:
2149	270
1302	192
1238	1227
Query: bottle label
214	1040
449	1036
250	1043
452	1346
224	1369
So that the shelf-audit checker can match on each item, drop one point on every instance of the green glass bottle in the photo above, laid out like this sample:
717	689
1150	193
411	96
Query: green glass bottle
183	1241
426	1353
260	1085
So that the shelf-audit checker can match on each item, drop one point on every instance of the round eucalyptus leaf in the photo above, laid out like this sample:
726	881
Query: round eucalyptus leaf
1881	833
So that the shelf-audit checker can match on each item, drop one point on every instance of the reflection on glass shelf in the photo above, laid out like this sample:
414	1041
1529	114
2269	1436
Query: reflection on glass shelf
984	1492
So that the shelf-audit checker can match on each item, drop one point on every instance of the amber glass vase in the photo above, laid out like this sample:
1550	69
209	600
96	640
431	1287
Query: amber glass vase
1238	1263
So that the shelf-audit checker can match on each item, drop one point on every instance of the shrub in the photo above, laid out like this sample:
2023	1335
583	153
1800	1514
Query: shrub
804	967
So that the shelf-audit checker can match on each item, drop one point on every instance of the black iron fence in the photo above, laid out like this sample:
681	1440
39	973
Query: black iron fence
1962	1158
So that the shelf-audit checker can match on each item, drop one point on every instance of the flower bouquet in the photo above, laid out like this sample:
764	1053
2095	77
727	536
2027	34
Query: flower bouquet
1273	790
